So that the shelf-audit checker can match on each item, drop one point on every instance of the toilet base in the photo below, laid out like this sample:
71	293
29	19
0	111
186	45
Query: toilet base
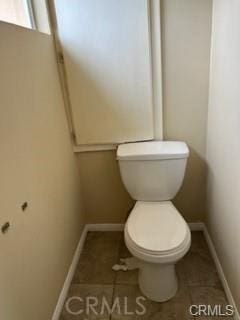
158	282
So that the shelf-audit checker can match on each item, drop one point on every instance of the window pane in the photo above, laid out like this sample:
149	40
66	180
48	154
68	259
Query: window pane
15	11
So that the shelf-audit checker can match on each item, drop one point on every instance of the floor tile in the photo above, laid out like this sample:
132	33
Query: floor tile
209	296
176	308
198	242
100	253
197	267
198	282
90	295
126	277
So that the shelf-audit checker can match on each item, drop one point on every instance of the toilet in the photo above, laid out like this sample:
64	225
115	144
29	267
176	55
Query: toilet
155	233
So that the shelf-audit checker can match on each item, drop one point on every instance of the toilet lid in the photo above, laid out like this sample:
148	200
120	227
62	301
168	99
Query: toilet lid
156	227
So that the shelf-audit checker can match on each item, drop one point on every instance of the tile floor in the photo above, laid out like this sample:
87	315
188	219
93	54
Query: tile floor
94	278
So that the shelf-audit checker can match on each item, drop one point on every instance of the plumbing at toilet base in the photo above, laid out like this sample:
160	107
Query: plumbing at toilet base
160	276
127	264
149	275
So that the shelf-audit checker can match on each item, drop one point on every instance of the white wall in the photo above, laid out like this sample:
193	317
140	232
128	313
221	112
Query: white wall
186	39
37	165
223	140
106	50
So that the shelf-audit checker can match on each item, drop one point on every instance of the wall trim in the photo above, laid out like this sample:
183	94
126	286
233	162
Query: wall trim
200	226
156	66
154	17
220	272
194	226
70	274
105	227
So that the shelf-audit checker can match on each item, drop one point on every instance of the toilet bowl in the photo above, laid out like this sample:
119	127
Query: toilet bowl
155	233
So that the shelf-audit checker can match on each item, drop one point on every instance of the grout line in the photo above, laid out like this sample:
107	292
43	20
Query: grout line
115	276
194	227
113	295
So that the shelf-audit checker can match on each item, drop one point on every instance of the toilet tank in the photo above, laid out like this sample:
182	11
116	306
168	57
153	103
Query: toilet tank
153	170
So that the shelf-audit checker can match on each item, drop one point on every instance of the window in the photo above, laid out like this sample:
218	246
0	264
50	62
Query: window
17	12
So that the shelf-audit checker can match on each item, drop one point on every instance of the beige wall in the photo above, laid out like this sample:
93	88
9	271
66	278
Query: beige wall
223	146
186	37
105	197
36	165
186	32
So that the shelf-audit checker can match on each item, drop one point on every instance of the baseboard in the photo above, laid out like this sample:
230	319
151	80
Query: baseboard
220	271
70	274
200	226
72	268
105	227
194	226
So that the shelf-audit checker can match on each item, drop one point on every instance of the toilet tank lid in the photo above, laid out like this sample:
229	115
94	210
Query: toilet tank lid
152	150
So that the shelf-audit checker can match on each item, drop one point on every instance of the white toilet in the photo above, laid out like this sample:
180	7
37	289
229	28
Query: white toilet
155	232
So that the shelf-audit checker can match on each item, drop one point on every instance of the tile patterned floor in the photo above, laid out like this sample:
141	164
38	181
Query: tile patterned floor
94	278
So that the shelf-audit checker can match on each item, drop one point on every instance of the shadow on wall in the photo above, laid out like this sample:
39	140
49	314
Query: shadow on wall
105	197
191	199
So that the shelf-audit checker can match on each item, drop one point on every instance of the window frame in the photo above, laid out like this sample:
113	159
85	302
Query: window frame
28	7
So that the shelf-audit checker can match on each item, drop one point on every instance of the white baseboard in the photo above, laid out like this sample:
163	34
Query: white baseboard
73	266
220	272
200	226
194	226
105	227
70	274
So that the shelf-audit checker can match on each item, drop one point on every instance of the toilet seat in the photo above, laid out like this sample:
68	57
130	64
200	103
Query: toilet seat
156	232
